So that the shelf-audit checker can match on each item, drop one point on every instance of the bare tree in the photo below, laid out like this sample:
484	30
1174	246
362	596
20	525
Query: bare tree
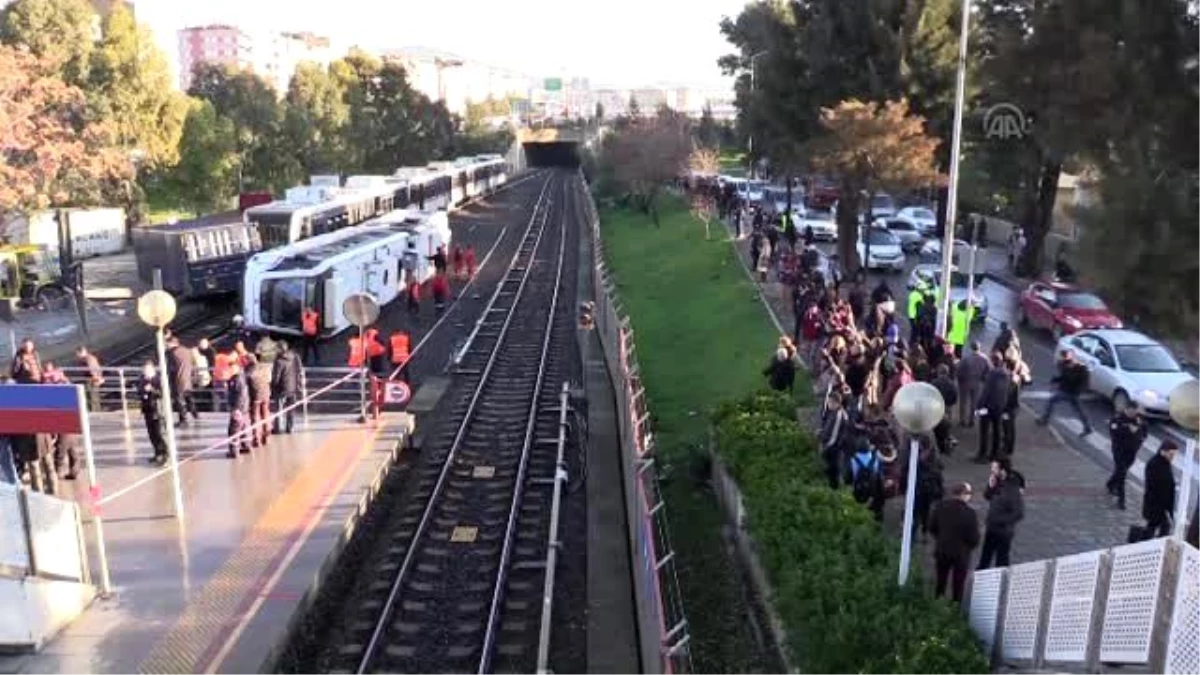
646	155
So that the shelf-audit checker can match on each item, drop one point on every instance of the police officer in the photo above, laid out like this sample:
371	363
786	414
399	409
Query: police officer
238	395
916	296
961	315
150	397
1128	431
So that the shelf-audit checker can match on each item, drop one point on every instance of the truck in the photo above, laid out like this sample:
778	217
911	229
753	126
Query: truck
94	232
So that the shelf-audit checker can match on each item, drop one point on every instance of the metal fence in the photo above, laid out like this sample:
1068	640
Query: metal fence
1134	605
664	626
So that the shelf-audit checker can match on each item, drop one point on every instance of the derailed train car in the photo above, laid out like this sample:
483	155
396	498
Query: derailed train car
198	258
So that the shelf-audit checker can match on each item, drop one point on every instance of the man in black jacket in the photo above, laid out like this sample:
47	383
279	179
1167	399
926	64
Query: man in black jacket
1127	430
1158	503
150	398
239	410
180	364
992	402
955	527
1007	508
286	376
949	391
1072	380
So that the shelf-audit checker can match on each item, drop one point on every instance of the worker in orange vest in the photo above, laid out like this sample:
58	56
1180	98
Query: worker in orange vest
441	292
310	324
414	297
469	259
223	367
457	259
358	355
400	353
376	352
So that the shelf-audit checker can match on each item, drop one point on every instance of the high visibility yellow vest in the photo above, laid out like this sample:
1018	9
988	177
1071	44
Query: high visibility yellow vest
915	298
960	325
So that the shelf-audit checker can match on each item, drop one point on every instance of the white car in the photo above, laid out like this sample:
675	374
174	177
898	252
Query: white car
931	252
1126	366
755	190
910	238
882	206
920	217
823	226
886	252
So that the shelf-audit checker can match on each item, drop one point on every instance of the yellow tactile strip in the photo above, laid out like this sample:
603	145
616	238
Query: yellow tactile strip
207	622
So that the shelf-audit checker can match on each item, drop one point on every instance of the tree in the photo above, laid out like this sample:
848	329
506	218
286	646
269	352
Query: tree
704	161
132	85
207	172
51	154
871	147
599	112
707	132
316	120
646	155
58	32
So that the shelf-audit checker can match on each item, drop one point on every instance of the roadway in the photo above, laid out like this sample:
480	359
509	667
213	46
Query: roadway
1038	349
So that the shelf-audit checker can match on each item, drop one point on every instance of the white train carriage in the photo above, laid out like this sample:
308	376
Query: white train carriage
491	172
322	271
427	190
312	211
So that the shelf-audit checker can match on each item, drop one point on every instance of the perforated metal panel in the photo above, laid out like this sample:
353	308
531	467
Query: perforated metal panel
1072	605
13	550
53	525
1023	610
985	604
1132	601
1183	647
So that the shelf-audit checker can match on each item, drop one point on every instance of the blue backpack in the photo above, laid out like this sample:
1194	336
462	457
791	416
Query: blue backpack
865	473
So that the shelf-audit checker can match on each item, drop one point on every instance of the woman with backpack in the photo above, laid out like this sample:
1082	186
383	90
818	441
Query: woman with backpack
866	478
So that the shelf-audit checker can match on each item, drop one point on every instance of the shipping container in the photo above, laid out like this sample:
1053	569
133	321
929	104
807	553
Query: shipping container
94	232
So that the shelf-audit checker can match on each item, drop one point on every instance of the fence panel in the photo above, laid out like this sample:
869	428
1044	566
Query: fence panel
1023	610
14	550
54	529
1183	646
1072	607
1133	597
987	594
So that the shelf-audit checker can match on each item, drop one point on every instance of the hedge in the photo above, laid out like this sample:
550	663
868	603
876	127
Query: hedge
832	568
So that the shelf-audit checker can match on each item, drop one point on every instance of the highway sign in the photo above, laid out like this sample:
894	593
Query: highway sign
552	84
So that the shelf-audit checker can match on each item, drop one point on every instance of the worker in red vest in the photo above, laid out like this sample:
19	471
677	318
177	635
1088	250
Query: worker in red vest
400	353
441	292
376	352
310	325
457	259
358	355
469	259
413	295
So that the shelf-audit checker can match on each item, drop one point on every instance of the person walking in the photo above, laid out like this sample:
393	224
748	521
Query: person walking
413	297
287	373
238	396
970	372
1126	431
180	363
400	352
930	486
469	261
955	529
991	404
26	365
259	381
440	289
1007	508
866	478
1158	501
1072	380
949	391
310	322
835	433
94	378
150	399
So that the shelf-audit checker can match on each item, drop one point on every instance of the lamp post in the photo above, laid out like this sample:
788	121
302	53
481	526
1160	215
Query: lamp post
753	62
943	317
156	309
1185	410
918	407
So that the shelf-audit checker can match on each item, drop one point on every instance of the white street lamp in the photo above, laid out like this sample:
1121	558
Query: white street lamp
156	309
918	408
753	62
1184	402
943	317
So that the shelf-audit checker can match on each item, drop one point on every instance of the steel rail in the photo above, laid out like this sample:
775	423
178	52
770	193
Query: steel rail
373	645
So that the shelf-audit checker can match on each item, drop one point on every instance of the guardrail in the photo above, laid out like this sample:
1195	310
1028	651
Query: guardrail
1133	605
663	623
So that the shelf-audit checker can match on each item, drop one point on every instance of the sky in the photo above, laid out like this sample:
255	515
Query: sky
611	42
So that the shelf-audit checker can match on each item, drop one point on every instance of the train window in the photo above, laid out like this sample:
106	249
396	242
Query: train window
189	245
283	300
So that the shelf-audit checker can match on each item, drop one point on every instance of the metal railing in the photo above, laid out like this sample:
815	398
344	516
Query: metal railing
659	600
1134	605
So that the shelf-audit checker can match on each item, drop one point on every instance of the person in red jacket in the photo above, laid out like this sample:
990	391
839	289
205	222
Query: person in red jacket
469	259
413	295
441	293
376	352
457	259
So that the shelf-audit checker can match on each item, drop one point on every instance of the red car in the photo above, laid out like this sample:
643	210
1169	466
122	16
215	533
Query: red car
1063	309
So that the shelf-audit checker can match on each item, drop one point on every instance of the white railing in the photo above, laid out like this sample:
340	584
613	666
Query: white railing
1133	605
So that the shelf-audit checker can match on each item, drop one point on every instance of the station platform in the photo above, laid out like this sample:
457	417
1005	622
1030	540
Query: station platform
215	590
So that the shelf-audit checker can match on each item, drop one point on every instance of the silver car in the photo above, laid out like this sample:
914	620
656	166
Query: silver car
959	284
908	234
921	218
1126	366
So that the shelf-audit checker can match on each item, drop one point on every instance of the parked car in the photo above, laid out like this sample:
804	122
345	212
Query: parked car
1063	309
755	190
775	197
821	222
886	252
959	286
1127	366
910	238
931	252
882	206
925	220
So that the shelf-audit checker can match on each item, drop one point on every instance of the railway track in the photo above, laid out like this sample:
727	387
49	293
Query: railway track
212	324
459	581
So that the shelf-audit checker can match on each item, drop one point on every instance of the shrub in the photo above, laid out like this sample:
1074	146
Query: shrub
833	570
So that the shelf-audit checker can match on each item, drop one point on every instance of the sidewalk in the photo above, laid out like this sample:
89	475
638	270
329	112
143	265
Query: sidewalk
1067	509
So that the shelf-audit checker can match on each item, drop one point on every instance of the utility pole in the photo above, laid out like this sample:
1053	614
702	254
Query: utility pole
753	65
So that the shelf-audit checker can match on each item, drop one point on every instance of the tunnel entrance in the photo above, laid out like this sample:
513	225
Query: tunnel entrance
556	153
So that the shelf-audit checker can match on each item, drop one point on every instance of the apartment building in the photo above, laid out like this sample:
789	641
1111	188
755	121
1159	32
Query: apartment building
276	55
456	80
217	43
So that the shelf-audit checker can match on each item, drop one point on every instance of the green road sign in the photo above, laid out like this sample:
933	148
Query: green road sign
553	84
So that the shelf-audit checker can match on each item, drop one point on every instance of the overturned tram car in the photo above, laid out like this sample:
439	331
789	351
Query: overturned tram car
322	271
